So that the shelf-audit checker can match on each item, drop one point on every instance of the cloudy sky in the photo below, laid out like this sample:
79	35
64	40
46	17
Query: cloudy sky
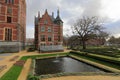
70	10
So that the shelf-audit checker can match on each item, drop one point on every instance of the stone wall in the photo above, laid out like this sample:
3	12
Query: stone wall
10	47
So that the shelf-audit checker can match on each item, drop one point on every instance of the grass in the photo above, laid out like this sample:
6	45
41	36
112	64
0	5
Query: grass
12	74
81	55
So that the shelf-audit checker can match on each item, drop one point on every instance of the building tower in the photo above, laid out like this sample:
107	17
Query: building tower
48	32
12	25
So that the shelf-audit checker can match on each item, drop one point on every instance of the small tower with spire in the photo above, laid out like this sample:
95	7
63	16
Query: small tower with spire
58	20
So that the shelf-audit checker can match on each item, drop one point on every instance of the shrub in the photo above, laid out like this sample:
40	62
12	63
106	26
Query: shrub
31	77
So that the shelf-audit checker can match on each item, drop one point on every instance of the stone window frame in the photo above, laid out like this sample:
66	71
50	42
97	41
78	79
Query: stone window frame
49	38
9	10
49	29
45	22
42	29
8	34
42	37
9	19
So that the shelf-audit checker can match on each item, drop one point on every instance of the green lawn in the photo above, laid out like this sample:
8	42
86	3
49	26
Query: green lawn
12	74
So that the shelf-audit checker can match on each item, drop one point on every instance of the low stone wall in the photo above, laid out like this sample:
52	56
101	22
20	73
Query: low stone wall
9	47
51	48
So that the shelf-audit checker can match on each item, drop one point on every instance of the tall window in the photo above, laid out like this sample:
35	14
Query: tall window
8	34
9	19
49	29
49	38
42	29
9	1
42	37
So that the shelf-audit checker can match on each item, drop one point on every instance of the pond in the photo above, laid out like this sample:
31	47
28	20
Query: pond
62	64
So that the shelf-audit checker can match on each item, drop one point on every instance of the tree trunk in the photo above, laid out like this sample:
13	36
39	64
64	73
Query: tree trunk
83	44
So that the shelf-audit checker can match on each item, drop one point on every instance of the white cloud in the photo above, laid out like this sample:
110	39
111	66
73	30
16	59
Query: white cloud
110	8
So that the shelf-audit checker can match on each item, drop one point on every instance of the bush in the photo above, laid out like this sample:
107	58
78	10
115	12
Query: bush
31	77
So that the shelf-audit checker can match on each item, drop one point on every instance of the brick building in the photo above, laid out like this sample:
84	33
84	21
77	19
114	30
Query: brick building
48	32
12	25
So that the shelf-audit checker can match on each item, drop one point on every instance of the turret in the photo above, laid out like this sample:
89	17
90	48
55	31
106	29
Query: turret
58	19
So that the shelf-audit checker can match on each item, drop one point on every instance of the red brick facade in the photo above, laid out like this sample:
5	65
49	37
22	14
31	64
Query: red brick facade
13	19
48	30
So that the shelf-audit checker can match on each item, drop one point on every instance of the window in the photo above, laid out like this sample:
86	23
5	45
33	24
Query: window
49	29
49	38
45	22
42	29
9	10
42	37
9	19
43	44
9	1
8	34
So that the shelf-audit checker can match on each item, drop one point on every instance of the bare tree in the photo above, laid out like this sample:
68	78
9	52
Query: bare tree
86	27
103	36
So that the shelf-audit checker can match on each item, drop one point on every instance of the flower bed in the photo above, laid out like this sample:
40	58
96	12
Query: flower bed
20	63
